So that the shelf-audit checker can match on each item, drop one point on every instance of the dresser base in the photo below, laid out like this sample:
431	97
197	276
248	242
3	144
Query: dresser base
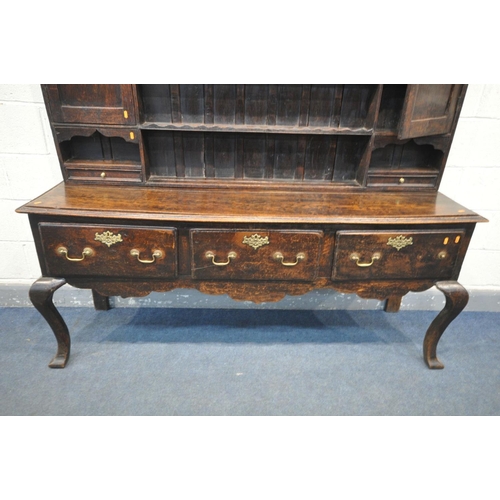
42	291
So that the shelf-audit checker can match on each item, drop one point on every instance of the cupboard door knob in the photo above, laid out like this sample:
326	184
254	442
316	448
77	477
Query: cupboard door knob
356	257
157	254
103	174
230	255
402	180
279	256
87	252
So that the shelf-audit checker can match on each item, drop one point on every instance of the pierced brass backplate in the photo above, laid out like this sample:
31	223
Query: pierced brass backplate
256	241
399	242
108	238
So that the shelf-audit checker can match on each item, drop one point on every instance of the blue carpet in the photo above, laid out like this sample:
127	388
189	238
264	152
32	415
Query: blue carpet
248	362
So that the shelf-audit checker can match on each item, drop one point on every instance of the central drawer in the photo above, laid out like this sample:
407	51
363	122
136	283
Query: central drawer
255	255
108	250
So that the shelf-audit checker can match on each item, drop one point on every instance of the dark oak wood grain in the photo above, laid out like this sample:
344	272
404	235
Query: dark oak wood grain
389	255
101	302
41	293
112	250
255	191
91	103
255	255
456	299
255	291
429	110
249	206
263	107
393	304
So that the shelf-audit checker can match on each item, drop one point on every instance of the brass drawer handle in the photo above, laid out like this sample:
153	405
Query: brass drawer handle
356	257
279	256
157	254
230	255
87	252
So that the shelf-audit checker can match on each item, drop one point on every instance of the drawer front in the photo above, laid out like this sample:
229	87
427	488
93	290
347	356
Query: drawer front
95	250
396	255
255	255
105	175
402	181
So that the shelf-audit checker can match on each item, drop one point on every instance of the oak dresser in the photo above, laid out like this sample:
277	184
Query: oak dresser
255	191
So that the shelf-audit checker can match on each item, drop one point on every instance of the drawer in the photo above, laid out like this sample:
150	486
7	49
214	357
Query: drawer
396	255
104	174
102	250
255	255
402	181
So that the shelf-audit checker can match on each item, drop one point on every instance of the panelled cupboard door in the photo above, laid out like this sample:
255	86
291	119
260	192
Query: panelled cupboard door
428	110
105	104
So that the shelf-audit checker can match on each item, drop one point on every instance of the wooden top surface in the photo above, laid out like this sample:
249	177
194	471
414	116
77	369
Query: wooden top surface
249	206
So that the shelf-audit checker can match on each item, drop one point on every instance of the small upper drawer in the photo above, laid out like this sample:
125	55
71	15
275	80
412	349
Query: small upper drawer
104	173
396	255
255	255
98	250
402	180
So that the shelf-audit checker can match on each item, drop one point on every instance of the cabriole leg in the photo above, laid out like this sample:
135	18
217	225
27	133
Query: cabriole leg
41	293
456	299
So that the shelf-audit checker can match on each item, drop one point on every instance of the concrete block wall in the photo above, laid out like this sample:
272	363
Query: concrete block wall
472	178
29	166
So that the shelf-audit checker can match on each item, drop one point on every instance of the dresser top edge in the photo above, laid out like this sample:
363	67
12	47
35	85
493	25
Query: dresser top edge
248	206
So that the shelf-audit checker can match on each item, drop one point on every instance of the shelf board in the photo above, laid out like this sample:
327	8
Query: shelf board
257	129
262	184
102	164
404	171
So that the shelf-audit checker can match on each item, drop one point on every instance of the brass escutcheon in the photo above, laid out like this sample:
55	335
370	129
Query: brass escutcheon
400	242
256	241
108	238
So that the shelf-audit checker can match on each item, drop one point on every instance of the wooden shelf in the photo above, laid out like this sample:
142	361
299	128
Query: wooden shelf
102	164
404	171
291	185
256	129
